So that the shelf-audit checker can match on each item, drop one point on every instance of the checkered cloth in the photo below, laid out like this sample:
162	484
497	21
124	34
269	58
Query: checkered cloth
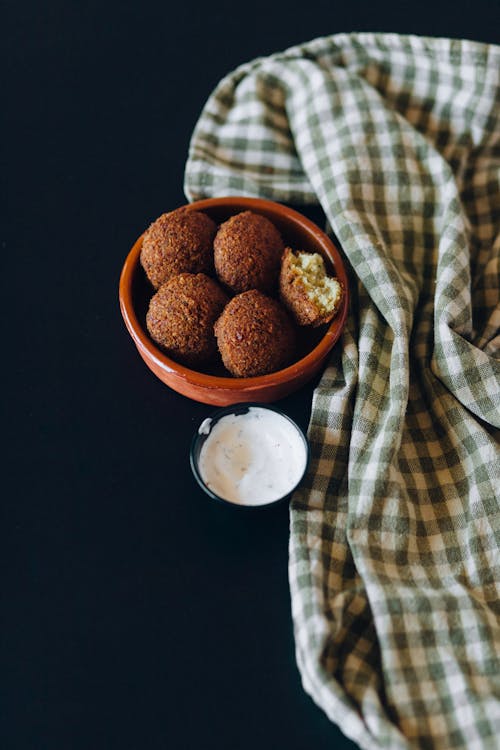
394	546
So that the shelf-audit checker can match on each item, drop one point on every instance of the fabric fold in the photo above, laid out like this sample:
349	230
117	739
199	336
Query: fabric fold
394	537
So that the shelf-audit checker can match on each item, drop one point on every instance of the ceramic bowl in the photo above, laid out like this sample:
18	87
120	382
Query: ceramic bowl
203	433
215	386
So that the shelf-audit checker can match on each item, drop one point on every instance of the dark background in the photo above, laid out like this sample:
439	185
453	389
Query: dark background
135	613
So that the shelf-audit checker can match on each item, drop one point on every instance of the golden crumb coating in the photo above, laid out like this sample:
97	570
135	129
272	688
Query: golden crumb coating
255	335
310	295
182	314
247	253
180	241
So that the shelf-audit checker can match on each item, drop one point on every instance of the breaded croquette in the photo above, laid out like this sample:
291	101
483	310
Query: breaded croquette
255	335
182	314
178	242
311	296
247	253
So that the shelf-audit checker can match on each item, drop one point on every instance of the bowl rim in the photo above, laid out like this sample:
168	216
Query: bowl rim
257	382
233	409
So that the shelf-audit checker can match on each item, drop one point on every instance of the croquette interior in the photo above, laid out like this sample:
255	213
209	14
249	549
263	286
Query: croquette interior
323	290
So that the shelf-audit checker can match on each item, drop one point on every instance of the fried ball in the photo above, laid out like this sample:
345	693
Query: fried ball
247	253
180	241
310	295
181	317
255	335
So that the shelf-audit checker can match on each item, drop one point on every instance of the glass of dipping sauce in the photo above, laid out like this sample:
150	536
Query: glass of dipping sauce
249	455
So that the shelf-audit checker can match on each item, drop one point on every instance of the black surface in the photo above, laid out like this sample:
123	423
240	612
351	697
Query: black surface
135	613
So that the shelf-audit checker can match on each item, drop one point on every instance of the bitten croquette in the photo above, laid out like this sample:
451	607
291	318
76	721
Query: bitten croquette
180	241
182	314
247	253
309	294
255	335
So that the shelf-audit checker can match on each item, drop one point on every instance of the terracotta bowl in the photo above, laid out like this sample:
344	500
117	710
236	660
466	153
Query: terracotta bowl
215	385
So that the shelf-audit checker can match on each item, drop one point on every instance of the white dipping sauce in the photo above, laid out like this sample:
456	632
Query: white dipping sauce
252	458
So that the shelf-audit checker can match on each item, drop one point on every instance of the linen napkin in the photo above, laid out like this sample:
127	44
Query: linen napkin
394	539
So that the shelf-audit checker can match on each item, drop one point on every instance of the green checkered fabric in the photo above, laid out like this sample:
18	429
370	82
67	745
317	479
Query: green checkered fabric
395	535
